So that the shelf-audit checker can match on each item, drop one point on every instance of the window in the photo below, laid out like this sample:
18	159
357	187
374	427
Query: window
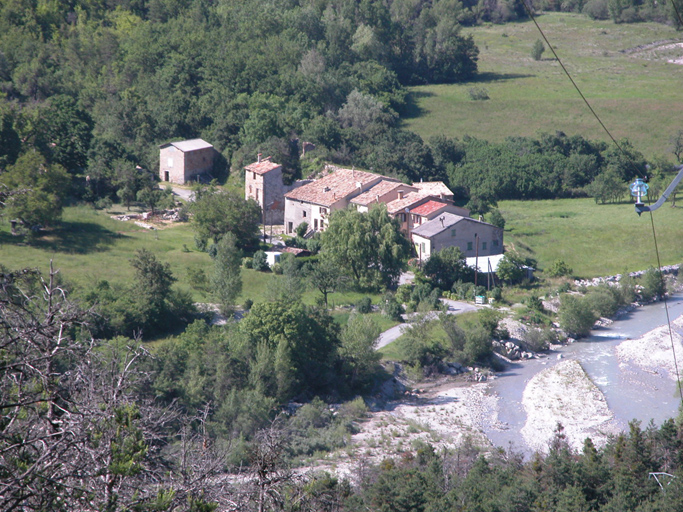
290	228
315	224
483	246
495	243
249	189
303	214
402	217
469	246
323	211
423	247
452	232
170	161
254	175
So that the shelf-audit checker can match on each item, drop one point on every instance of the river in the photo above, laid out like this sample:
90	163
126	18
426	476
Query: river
631	393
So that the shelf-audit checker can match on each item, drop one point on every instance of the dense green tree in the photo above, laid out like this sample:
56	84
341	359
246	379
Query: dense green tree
511	268
39	190
217	213
292	350
447	266
357	348
226	279
369	247
326	276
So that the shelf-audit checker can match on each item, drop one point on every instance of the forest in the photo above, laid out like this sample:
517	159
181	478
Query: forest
215	418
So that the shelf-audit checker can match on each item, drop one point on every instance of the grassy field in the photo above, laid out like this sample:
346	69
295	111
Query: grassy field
593	239
90	246
638	95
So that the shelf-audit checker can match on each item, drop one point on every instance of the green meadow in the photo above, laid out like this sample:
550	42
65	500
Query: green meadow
637	95
593	239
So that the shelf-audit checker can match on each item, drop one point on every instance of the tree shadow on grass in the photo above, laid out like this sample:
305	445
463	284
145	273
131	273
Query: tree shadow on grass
487	77
69	238
412	109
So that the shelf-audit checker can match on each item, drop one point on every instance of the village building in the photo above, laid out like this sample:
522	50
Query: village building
184	161
475	238
312	203
419	207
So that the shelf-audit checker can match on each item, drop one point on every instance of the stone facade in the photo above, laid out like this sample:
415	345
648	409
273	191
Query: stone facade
473	237
263	183
182	162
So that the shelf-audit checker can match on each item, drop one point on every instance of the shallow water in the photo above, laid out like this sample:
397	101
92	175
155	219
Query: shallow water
631	393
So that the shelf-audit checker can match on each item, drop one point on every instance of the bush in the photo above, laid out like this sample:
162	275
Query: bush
392	308
364	305
495	294
478	94
559	268
653	285
534	303
248	262
537	50
260	261
537	340
576	315
277	269
596	9
403	292
604	300
301	229
247	304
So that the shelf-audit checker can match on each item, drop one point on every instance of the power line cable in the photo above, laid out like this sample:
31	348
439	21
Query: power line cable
621	150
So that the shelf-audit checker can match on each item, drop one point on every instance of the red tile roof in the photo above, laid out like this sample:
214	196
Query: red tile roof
398	205
428	208
262	167
337	185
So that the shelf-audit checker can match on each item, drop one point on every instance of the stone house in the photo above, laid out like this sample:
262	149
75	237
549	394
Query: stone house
419	207
312	203
182	162
473	237
263	183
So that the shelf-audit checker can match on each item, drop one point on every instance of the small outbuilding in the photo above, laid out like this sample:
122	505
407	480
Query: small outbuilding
182	162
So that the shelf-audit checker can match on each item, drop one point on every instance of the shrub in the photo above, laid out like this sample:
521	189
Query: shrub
260	261
534	303
496	294
596	9
247	304
277	269
604	300
559	268
537	50
576	315
403	292
248	262
478	94
653	285
364	305
392	308
301	229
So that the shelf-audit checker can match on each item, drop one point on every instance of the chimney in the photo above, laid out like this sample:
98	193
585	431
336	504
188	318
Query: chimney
442	219
481	218
258	158
400	194
378	198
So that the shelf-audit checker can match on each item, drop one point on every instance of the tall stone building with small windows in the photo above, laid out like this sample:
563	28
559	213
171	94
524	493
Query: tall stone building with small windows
263	183
184	161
